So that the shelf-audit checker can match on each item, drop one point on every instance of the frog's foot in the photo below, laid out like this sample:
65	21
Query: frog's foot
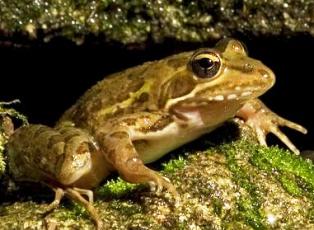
159	183
134	171
123	157
75	194
263	121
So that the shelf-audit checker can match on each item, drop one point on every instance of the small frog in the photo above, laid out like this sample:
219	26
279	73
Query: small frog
67	159
138	115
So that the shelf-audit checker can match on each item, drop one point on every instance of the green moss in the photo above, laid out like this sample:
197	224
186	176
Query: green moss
72	211
295	175
287	180
294	172
136	21
218	205
249	205
174	164
288	162
126	208
12	112
9	112
289	183
116	188
249	211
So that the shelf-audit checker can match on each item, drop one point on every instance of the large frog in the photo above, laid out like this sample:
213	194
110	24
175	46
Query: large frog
138	115
144	112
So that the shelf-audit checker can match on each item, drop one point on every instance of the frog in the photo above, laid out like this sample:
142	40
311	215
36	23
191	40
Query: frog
60	158
136	116
144	112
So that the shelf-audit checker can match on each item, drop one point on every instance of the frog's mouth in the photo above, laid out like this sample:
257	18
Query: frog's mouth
238	94
208	95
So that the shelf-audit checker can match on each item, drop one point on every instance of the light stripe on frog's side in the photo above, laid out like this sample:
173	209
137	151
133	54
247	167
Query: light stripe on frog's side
133	96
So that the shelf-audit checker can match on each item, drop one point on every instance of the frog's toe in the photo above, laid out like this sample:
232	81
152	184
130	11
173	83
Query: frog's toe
279	121
276	131
284	122
260	134
160	183
267	125
152	186
171	189
264	122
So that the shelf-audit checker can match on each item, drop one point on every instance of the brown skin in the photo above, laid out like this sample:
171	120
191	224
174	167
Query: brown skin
65	159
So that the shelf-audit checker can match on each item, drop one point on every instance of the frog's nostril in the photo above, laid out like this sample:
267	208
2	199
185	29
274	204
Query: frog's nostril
265	74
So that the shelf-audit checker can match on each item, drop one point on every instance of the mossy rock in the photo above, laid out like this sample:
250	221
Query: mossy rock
139	21
6	111
236	184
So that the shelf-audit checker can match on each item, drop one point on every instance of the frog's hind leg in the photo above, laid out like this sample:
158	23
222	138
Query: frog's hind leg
87	193
121	153
59	194
75	194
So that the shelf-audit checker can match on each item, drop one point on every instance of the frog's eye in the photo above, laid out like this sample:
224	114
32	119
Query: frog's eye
205	64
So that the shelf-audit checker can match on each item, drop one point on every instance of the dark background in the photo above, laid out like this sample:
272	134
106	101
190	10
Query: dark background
48	78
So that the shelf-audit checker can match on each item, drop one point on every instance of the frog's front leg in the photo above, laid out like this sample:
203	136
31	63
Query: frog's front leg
121	153
59	193
263	121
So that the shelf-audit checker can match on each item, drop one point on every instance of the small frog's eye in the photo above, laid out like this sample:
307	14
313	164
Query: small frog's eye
205	64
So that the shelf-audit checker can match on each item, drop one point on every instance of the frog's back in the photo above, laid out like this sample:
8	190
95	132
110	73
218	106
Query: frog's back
121	93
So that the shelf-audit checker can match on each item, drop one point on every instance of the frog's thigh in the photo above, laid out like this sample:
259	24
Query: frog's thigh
121	153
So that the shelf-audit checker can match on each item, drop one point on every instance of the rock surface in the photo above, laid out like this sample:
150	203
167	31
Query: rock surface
223	184
139	21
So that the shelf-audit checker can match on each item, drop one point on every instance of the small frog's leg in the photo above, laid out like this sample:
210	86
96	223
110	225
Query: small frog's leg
87	193
121	153
59	193
75	195
264	121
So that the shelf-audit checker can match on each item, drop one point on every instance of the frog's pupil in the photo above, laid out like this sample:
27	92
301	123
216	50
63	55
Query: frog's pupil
203	66
205	63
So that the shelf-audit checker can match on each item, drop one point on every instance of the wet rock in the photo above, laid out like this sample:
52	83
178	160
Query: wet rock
139	21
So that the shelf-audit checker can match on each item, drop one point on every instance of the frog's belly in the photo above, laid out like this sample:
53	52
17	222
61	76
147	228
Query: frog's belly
153	145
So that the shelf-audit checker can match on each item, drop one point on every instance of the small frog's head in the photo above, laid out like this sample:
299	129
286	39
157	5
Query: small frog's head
224	76
77	146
